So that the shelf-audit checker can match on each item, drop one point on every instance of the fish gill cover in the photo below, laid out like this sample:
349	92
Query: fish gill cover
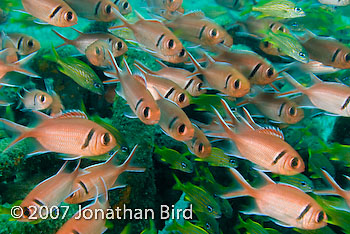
174	116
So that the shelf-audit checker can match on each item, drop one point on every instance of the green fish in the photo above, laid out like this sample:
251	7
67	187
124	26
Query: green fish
252	227
288	45
204	102
79	71
151	229
208	223
318	161
175	159
202	201
187	228
218	158
278	8
324	230
336	151
300	181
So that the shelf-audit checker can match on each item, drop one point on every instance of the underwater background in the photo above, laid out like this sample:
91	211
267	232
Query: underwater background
321	138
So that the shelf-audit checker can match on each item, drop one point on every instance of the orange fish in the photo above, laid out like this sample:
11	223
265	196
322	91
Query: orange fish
155	38
270	49
281	110
199	144
223	77
170	5
123	6
134	91
96	53
7	55
338	191
49	193
54	12
185	79
195	27
82	224
173	120
166	87
25	44
99	10
259	26
329	96
85	183
326	50
250	64
288	204
263	148
84	40
69	133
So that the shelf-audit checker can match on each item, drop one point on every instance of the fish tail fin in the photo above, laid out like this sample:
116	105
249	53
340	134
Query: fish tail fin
17	129
198	67
178	185
222	121
247	189
70	167
66	40
293	82
127	66
333	183
125	24
126	165
114	64
21	66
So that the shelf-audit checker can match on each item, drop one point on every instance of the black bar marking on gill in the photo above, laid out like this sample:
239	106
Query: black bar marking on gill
38	202
201	32
307	208
346	103
169	92
75	232
84	187
19	43
188	83
55	11
281	108
279	157
138	103
335	54
88	138
97	7
172	122
160	39
256	68
227	79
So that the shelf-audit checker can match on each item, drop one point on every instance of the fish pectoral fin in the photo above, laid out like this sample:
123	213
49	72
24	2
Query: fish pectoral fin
38	21
117	185
280	223
252	211
129	113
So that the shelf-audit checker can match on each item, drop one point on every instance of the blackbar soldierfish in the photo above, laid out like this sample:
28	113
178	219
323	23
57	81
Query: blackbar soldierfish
265	149
134	90
69	133
195	27
84	40
54	12
288	204
155	38
84	185
199	144
123	6
49	193
25	44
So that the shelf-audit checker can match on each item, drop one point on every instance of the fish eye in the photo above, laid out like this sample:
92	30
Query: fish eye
214	32
210	209
237	84
271	25
292	111
266	44
171	1
295	24
200	148
199	87
347	57
301	54
119	45
106	139
182	53
124	148
171	44
181	97
42	98
297	9
294	163
97	50
269	72
146	112
125	5
303	183
26	212
207	225
97	85
68	16
30	43
281	29
182	129
72	195
108	9
232	161
184	165
320	217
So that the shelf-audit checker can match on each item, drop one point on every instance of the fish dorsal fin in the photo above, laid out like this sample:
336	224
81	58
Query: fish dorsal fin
198	67
114	63
161	63
315	79
127	66
249	122
158	95
140	78
139	16
80	33
68	166
208	57
195	14
72	114
266	178
40	115
143	69
272	131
